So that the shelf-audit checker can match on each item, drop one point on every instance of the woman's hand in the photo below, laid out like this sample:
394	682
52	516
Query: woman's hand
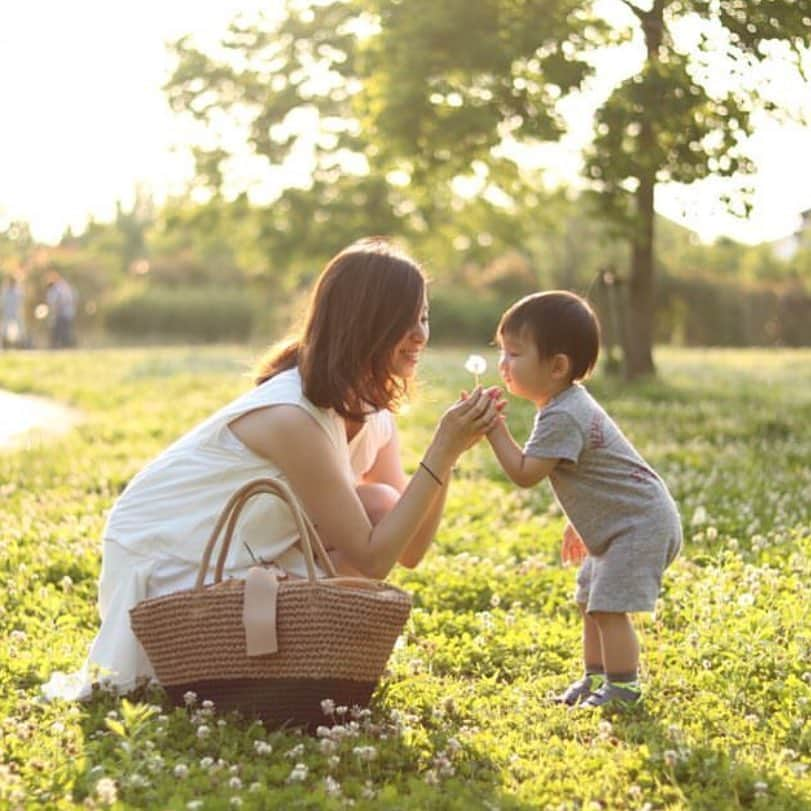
573	550
496	395
468	420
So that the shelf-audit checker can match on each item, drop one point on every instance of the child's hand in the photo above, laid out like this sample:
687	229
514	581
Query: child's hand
497	396
573	550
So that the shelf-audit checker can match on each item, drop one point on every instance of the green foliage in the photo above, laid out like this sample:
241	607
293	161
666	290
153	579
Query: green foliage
703	312
189	313
463	720
421	95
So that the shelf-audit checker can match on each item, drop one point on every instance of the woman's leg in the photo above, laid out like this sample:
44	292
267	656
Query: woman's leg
378	500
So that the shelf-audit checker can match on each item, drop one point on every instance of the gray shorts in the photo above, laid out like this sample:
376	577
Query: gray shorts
627	576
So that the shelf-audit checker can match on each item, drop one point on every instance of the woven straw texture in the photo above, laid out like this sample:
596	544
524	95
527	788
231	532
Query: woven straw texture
324	631
341	630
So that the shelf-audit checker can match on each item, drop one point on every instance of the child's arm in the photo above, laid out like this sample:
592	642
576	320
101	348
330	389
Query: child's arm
523	470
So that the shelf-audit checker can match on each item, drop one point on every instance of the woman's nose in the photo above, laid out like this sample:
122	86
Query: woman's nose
420	333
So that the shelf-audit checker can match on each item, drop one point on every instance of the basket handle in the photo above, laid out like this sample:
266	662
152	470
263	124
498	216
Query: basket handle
309	542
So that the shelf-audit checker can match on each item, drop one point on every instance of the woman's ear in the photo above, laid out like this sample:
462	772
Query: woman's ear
561	366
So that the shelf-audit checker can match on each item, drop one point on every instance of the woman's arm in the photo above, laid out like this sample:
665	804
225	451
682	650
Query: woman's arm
388	469
290	437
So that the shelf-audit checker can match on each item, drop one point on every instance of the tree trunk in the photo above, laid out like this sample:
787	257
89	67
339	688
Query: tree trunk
638	344
638	337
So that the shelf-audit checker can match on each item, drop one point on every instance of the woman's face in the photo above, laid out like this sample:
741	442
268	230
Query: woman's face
406	353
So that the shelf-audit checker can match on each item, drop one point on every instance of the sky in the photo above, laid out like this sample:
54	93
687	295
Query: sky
84	121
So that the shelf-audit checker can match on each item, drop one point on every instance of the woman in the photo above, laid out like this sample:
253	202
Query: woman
320	419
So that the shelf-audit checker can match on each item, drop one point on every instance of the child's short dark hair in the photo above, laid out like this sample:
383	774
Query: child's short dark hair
559	322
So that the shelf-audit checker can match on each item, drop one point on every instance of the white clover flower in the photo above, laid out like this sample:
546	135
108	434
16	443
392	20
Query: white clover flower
236	802
194	805
189	698
332	786
367	753
295	752
342	710
299	774
333	762
206	762
322	732
712	533
208	704
106	791
328	706
203	732
761	787
605	727
255	787
328	746
368	792
699	517
181	771
262	747
235	783
138	781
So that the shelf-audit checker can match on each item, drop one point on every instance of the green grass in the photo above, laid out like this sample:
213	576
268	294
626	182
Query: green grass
463	720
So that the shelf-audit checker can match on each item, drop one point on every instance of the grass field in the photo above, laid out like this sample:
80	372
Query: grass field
463	720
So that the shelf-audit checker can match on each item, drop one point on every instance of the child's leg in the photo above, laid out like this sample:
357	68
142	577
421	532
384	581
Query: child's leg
620	648
593	676
619	643
592	643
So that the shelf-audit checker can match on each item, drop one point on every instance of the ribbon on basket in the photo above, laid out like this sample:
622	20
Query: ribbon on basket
259	610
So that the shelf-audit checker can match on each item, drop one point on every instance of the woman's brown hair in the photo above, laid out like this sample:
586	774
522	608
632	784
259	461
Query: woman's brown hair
364	302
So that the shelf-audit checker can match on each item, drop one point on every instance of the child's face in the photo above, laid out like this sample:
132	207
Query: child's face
525	373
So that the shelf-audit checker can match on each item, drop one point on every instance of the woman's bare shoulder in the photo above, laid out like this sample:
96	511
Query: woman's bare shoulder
275	428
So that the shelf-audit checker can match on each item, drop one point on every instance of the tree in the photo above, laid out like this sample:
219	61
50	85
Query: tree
683	115
427	90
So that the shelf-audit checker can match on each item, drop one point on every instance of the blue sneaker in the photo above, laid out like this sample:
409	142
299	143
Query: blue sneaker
580	690
614	695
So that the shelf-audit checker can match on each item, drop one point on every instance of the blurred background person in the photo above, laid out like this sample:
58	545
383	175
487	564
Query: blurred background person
12	313
61	300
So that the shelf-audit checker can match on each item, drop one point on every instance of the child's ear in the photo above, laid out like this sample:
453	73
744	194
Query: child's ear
561	366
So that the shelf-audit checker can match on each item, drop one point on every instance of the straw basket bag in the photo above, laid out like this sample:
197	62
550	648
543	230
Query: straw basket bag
271	646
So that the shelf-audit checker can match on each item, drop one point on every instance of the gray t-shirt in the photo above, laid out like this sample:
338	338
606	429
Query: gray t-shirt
603	485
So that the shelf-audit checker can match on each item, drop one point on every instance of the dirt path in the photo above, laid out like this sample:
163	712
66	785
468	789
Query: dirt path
25	419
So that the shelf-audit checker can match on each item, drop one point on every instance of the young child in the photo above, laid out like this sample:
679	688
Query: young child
623	524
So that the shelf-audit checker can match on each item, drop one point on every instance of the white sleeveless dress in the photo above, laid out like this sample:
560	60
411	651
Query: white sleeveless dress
157	530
